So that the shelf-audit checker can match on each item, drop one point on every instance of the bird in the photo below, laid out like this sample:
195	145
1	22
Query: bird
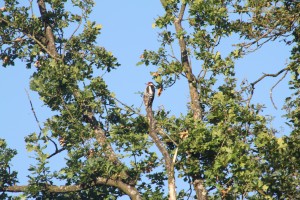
149	94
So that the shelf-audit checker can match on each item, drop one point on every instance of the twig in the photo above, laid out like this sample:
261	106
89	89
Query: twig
271	90
136	112
175	156
33	111
65	45
37	121
161	132
190	187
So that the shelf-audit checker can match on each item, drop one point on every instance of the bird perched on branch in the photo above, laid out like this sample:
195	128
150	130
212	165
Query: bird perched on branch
149	94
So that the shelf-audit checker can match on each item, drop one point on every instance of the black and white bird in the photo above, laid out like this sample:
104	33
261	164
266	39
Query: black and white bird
149	94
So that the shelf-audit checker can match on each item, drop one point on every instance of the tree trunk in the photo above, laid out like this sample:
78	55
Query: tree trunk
194	94
172	185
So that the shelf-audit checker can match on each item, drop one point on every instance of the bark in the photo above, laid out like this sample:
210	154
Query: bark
50	40
127	189
192	81
201	192
168	161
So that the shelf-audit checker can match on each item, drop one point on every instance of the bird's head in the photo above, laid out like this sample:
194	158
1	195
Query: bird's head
150	83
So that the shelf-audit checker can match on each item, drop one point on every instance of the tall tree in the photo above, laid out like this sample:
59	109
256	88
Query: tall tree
223	147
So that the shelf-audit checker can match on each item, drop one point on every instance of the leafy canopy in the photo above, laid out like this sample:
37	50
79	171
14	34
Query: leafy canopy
223	147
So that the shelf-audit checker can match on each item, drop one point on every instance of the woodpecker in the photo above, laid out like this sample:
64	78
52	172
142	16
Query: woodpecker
149	94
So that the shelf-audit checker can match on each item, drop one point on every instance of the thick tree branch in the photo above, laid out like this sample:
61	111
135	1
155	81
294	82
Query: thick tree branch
101	138
99	133
195	104
48	30
168	161
195	99
31	36
127	189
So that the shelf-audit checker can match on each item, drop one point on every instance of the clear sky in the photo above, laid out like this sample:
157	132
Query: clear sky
127	31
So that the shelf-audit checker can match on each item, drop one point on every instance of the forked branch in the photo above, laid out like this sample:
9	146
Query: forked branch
252	85
271	90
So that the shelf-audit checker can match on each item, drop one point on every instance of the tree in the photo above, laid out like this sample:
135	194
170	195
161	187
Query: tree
224	146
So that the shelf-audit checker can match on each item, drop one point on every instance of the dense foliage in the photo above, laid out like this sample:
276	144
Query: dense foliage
224	147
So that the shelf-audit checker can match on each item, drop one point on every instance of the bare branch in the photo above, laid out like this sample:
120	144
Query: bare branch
271	90
252	85
33	111
37	121
272	75
56	152
128	107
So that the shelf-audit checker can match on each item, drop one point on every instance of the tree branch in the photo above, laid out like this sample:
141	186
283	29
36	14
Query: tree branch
194	94
271	90
65	45
168	161
32	109
252	85
131	191
195	101
57	151
265	75
48	30
35	40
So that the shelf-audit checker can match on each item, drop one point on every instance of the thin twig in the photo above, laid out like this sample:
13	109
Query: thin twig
37	121
161	132
271	90
65	45
136	112
33	111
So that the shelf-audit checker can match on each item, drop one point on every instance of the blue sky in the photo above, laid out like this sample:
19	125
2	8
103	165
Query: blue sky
127	31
